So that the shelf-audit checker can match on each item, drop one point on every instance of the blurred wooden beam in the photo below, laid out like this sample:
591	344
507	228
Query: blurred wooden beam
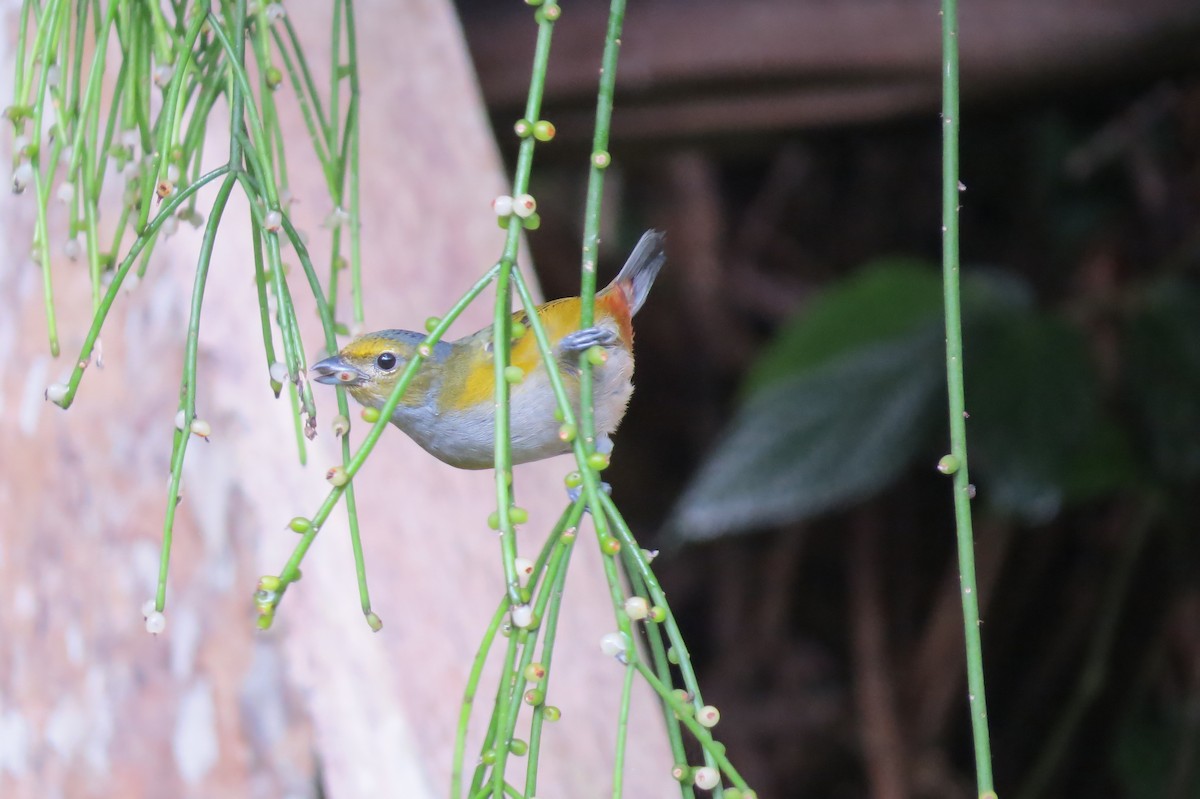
704	67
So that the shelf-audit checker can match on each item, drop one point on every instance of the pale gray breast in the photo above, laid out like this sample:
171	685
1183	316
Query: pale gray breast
466	438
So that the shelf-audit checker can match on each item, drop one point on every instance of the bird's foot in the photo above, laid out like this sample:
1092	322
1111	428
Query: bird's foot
583	340
574	494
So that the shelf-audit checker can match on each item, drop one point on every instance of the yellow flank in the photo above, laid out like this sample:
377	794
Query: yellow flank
469	372
467	378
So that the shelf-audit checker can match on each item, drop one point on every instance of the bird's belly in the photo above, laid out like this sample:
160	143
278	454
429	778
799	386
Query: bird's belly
465	438
469	441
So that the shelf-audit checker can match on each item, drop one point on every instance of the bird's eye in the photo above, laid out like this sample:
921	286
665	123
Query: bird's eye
386	361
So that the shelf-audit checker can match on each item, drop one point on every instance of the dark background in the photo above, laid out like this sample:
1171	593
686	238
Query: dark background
786	145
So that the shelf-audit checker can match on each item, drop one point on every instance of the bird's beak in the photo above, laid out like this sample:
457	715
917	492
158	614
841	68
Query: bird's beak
335	371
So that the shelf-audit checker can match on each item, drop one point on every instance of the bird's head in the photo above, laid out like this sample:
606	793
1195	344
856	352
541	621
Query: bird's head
369	367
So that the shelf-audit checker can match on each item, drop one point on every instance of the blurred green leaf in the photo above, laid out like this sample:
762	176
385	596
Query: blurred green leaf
1163	377
834	408
850	392
1033	398
1104	462
885	300
817	440
1155	754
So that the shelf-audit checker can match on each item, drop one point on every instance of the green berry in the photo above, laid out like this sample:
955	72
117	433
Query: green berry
370	415
518	747
532	222
535	672
337	476
16	113
340	425
493	520
573	479
534	697
610	545
597	355
300	524
673	655
518	330
948	464
601	159
658	613
431	323
551	713
598	461
523	128
514	374
543	130
567	432
269	583
274	77
681	772
373	621
518	515
488	757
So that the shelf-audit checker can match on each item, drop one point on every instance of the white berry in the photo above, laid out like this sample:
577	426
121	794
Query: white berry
706	777
524	569
155	623
637	608
612	644
522	616
524	206
502	205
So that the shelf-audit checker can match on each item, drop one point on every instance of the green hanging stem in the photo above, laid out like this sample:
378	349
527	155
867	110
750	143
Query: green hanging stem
954	381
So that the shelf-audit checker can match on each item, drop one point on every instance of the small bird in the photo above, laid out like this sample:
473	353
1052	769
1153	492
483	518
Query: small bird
448	407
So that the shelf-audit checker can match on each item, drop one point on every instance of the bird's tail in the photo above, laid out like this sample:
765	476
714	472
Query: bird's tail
637	276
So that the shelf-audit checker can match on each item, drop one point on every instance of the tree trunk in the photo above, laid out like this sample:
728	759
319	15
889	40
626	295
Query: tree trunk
91	705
